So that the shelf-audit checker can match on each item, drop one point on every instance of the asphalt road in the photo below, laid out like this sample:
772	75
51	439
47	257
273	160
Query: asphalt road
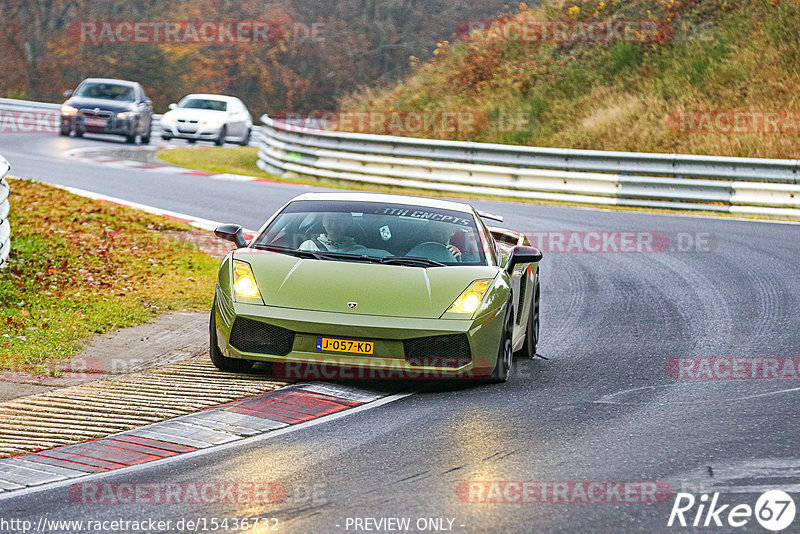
601	408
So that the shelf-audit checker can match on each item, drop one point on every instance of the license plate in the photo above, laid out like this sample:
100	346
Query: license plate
345	345
95	122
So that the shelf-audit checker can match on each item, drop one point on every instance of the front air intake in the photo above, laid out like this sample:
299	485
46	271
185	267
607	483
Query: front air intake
261	338
450	350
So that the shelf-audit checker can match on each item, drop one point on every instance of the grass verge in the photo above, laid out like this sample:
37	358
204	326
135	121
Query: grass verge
80	267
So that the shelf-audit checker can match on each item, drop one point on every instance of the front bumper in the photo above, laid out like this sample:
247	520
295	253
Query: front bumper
389	359
190	131
78	123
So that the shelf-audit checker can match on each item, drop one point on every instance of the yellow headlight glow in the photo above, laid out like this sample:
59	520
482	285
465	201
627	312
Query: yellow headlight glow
244	283
470	299
68	110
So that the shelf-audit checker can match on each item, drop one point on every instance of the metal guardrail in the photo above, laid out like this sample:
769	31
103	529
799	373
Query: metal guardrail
678	181
5	207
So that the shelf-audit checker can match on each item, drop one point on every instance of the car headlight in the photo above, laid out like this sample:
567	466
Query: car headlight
470	299
125	115
167	119
245	288
211	122
68	110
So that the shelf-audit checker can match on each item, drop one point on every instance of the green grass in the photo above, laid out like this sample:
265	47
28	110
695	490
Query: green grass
239	160
80	267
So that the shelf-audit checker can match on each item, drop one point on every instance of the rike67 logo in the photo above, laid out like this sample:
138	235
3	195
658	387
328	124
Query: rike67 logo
774	510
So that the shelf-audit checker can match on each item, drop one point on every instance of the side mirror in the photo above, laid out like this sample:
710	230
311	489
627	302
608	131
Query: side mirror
233	233
522	254
147	101
173	106
68	93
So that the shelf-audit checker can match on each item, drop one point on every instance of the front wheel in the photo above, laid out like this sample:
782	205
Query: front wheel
223	133
505	354
220	361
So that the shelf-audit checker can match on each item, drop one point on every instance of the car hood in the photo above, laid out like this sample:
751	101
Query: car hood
387	290
101	104
195	114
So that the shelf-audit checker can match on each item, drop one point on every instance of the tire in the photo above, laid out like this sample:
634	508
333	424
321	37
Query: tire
223	133
130	139
78	133
528	349
191	141
146	138
505	354
246	140
166	137
64	133
221	362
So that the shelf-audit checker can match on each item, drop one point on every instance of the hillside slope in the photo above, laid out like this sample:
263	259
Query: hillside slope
716	77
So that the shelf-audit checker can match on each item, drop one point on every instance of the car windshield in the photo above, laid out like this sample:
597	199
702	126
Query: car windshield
395	234
203	103
106	91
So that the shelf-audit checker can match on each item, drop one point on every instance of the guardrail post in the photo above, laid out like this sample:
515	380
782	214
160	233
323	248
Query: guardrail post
5	226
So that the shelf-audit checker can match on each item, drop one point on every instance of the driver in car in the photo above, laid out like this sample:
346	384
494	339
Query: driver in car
440	232
336	238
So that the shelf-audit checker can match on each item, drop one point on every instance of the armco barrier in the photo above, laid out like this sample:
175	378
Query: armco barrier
678	181
5	226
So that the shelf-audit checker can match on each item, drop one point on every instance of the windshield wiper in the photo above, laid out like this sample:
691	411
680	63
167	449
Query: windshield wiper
319	254
290	251
411	261
344	256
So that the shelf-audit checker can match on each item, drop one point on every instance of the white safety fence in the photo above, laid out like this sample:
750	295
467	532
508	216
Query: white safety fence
733	185
5	208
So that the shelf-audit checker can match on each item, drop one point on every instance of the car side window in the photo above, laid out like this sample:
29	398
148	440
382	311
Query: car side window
489	245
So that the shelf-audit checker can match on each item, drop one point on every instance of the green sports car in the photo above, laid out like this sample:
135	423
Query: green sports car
356	285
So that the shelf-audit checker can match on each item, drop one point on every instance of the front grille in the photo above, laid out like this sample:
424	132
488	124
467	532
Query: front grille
99	114
261	338
451	350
